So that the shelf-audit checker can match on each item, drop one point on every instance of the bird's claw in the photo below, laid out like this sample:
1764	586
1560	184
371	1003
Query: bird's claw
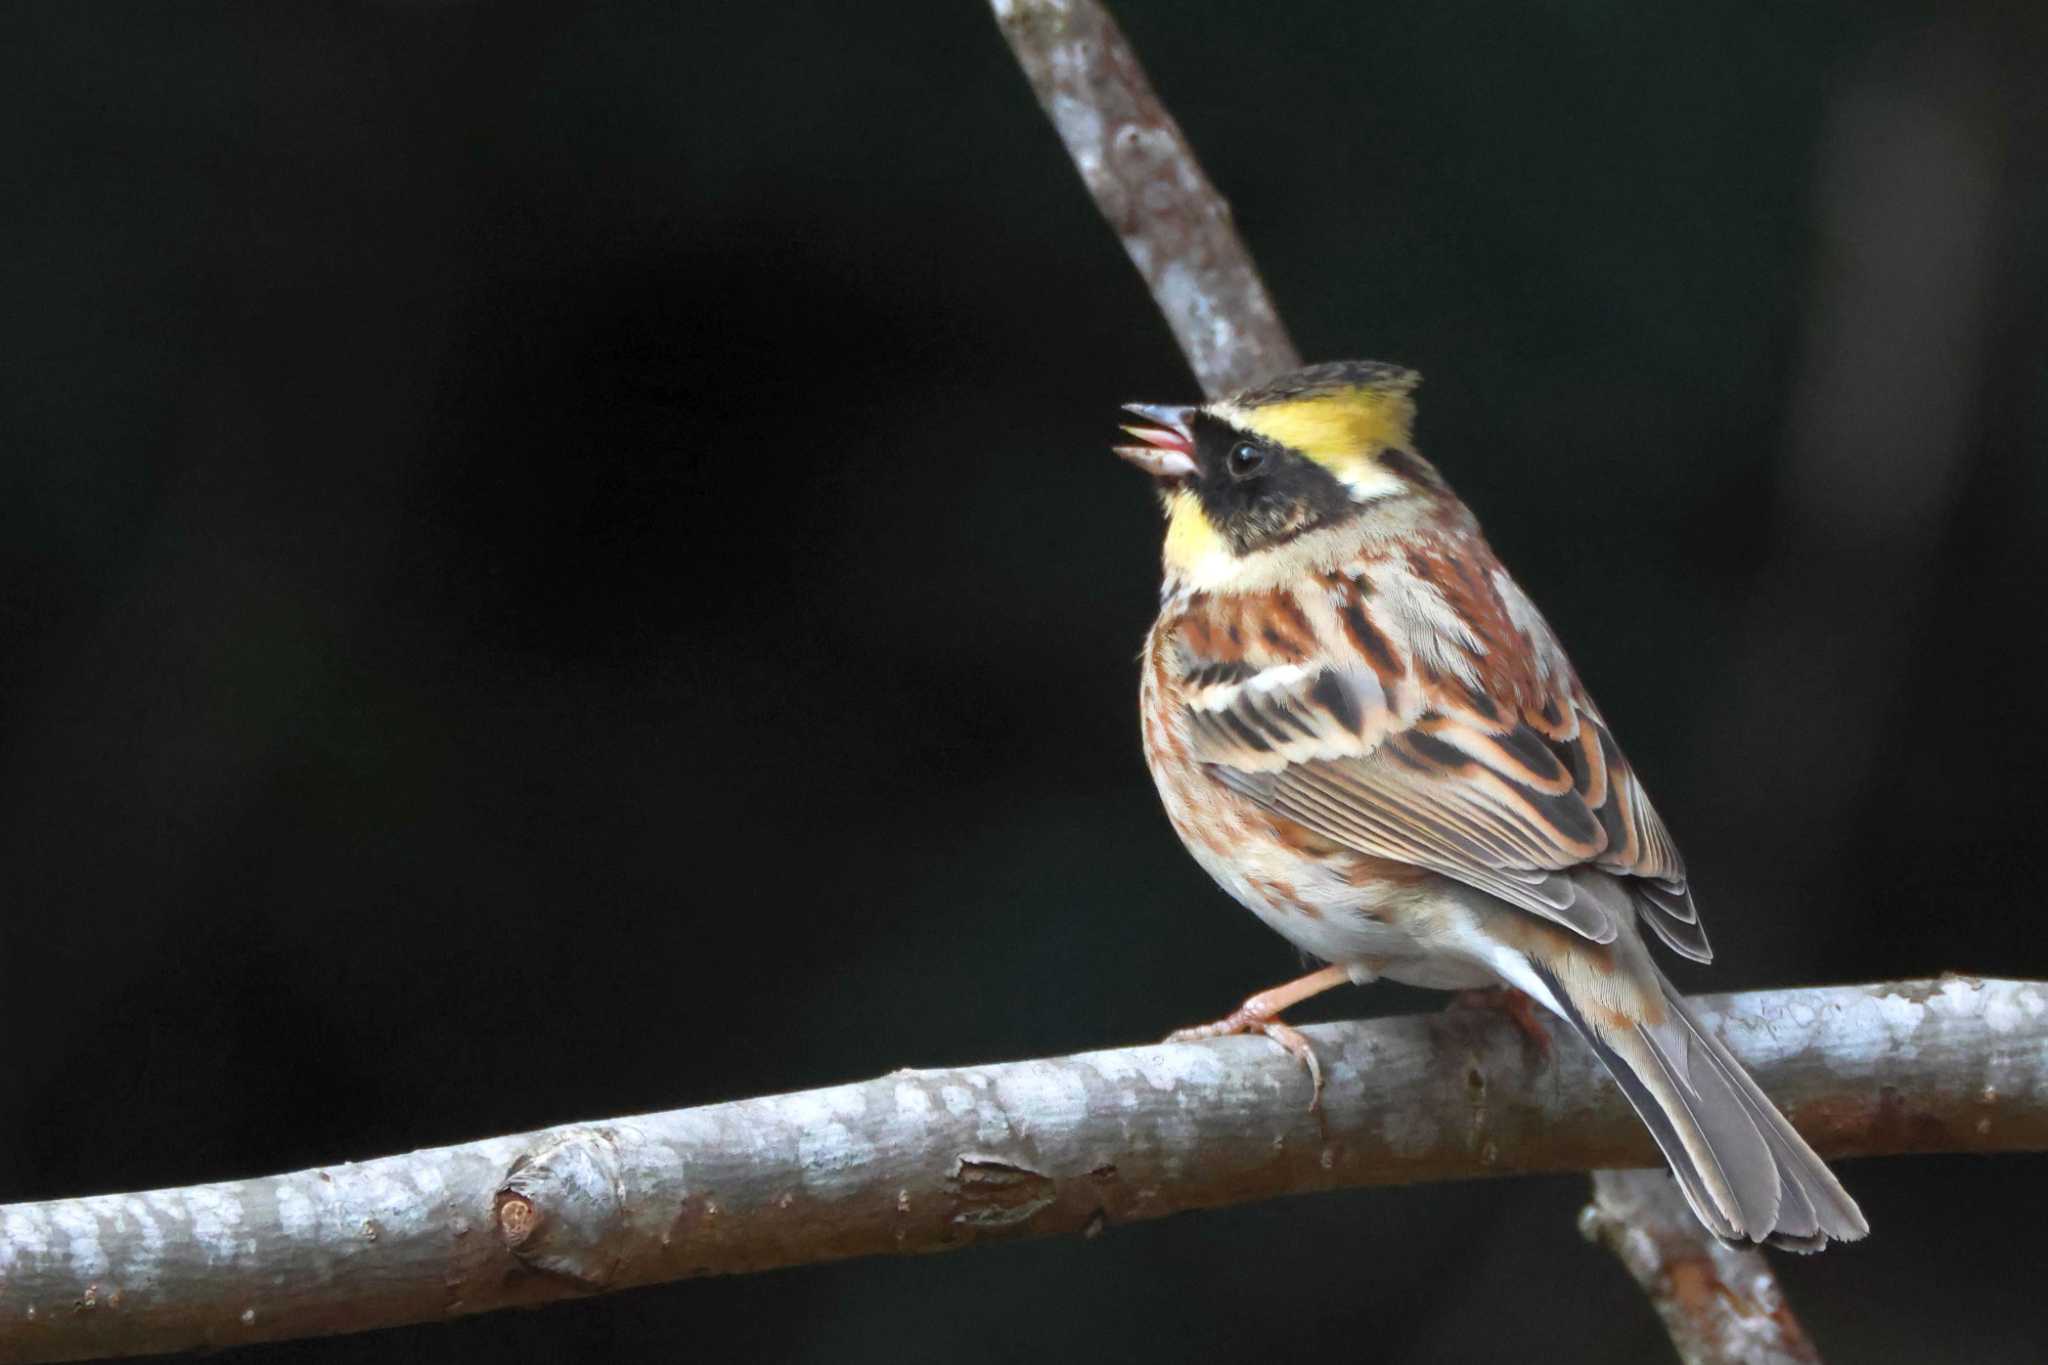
1285	1034
1520	1009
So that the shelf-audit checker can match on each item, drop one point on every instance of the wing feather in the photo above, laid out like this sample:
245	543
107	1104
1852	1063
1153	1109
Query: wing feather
1521	798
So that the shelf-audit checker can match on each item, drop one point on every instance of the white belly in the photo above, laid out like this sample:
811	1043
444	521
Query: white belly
1413	935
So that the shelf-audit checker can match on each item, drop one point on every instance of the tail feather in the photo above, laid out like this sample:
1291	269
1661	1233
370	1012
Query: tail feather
1815	1207
1715	1127
1743	1168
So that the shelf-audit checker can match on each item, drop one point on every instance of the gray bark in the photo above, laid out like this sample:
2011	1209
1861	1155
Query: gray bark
925	1161
1720	1305
1145	179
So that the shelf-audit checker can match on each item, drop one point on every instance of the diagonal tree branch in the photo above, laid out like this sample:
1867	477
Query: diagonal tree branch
1719	1304
1145	179
924	1161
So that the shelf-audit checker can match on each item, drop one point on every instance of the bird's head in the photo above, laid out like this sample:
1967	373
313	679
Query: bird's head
1292	470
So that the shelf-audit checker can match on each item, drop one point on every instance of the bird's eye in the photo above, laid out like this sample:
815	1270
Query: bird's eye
1246	459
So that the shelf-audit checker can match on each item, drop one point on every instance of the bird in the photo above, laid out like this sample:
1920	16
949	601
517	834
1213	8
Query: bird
1366	733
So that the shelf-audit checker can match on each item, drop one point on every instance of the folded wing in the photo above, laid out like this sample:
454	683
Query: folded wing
1510	800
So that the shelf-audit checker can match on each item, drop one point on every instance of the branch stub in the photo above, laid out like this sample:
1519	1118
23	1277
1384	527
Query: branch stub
560	1208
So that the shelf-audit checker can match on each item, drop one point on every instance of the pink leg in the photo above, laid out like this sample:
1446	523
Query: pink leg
1261	1014
1520	1009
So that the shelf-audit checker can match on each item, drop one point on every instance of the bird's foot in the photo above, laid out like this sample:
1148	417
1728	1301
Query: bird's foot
1261	1014
1281	1032
1520	1009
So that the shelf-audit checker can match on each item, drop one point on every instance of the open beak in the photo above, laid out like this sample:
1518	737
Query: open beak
1168	434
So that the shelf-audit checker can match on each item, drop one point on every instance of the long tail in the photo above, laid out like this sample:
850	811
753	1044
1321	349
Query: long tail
1744	1169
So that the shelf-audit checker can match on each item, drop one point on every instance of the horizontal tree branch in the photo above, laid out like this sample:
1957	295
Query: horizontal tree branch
924	1161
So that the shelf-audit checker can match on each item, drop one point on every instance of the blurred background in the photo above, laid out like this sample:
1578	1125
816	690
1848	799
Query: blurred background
563	560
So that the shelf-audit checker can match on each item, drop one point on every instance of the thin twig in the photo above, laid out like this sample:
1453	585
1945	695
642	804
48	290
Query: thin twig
925	1161
1720	1305
1146	181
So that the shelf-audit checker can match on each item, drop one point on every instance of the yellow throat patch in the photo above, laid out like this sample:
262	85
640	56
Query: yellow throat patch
1341	417
1190	537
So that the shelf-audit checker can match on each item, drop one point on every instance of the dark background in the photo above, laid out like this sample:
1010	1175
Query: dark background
563	560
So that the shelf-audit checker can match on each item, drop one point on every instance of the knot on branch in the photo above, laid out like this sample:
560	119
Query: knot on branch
560	1207
990	1192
